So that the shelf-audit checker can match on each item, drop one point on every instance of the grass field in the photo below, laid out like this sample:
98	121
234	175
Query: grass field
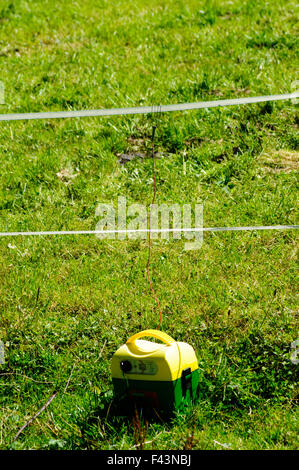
67	303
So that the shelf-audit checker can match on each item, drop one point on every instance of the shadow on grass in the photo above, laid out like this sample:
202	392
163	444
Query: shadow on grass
108	420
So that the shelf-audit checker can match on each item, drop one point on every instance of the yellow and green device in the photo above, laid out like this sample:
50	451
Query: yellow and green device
163	376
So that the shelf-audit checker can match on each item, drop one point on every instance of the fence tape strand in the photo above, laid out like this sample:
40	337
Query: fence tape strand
145	109
161	230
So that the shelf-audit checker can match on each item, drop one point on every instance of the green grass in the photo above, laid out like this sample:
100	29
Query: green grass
67	303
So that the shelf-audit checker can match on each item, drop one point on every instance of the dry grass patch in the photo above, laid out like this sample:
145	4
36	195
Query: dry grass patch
280	161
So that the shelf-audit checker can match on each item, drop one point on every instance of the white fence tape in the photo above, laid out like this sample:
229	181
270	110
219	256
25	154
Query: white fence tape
145	109
196	229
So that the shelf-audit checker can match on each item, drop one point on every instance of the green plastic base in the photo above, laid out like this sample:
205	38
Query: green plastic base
166	396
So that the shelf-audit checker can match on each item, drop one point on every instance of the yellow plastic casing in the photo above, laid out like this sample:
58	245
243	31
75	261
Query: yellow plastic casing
169	359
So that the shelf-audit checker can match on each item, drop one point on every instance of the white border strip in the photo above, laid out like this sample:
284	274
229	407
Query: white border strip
104	232
145	109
